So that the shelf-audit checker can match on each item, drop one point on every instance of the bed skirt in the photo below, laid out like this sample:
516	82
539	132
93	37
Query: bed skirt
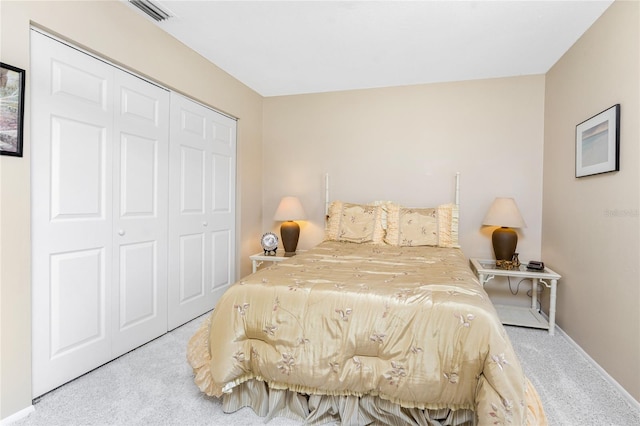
330	409
351	410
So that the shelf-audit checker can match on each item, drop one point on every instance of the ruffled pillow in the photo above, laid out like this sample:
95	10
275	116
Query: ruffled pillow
356	223
436	227
448	215
411	227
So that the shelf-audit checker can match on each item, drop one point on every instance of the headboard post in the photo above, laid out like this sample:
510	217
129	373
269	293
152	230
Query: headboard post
326	194
458	189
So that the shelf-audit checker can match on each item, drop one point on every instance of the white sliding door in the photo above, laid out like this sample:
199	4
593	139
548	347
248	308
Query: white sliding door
201	208
99	212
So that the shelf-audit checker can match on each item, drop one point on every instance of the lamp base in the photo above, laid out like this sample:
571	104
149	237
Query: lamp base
504	242
290	232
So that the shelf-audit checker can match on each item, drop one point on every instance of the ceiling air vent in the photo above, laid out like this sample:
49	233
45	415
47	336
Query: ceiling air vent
152	9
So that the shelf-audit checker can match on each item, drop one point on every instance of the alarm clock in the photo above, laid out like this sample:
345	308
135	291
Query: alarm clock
269	243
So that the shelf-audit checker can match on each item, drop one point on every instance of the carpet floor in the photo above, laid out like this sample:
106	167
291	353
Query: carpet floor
153	385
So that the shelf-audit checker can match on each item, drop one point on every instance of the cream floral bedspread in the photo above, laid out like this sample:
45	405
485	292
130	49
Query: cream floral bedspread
411	325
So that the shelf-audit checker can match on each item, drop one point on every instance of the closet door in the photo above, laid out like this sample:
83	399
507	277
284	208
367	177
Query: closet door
201	208
140	212
72	224
99	212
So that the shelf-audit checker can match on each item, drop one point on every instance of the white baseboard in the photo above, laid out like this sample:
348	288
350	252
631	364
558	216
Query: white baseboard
630	399
17	416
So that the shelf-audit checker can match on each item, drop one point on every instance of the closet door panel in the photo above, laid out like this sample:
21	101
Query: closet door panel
192	267
202	188
71	216
77	279
222	210
221	196
71	79
188	222
191	226
138	174
221	265
140	212
78	154
138	285
192	180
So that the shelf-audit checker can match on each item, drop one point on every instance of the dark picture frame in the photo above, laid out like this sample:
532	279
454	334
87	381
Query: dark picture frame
11	109
598	143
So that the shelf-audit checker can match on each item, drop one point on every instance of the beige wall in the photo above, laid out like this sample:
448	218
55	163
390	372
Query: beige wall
590	225
405	144
113	30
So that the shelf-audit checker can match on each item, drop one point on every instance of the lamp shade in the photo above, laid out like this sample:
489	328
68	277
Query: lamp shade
504	212
289	209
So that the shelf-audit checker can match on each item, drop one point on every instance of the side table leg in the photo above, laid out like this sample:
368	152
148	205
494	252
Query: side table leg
534	293
482	279
254	266
552	308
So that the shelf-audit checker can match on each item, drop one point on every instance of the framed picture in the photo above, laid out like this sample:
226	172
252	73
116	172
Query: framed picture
598	143
11	110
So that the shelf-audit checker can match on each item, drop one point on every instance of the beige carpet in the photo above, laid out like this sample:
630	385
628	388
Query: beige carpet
153	386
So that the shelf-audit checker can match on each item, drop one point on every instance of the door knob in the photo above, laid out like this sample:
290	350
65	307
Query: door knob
121	232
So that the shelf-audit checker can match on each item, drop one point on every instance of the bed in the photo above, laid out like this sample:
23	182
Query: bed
382	323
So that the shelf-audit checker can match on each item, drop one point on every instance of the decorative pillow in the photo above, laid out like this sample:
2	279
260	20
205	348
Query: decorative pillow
411	227
422	226
384	205
448	215
356	223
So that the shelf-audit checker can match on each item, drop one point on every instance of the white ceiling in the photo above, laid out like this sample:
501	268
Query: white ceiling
294	47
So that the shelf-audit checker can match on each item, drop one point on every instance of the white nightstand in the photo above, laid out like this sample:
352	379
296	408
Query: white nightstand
516	315
258	258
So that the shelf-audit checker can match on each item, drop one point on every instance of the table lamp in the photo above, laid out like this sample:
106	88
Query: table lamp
505	214
289	210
